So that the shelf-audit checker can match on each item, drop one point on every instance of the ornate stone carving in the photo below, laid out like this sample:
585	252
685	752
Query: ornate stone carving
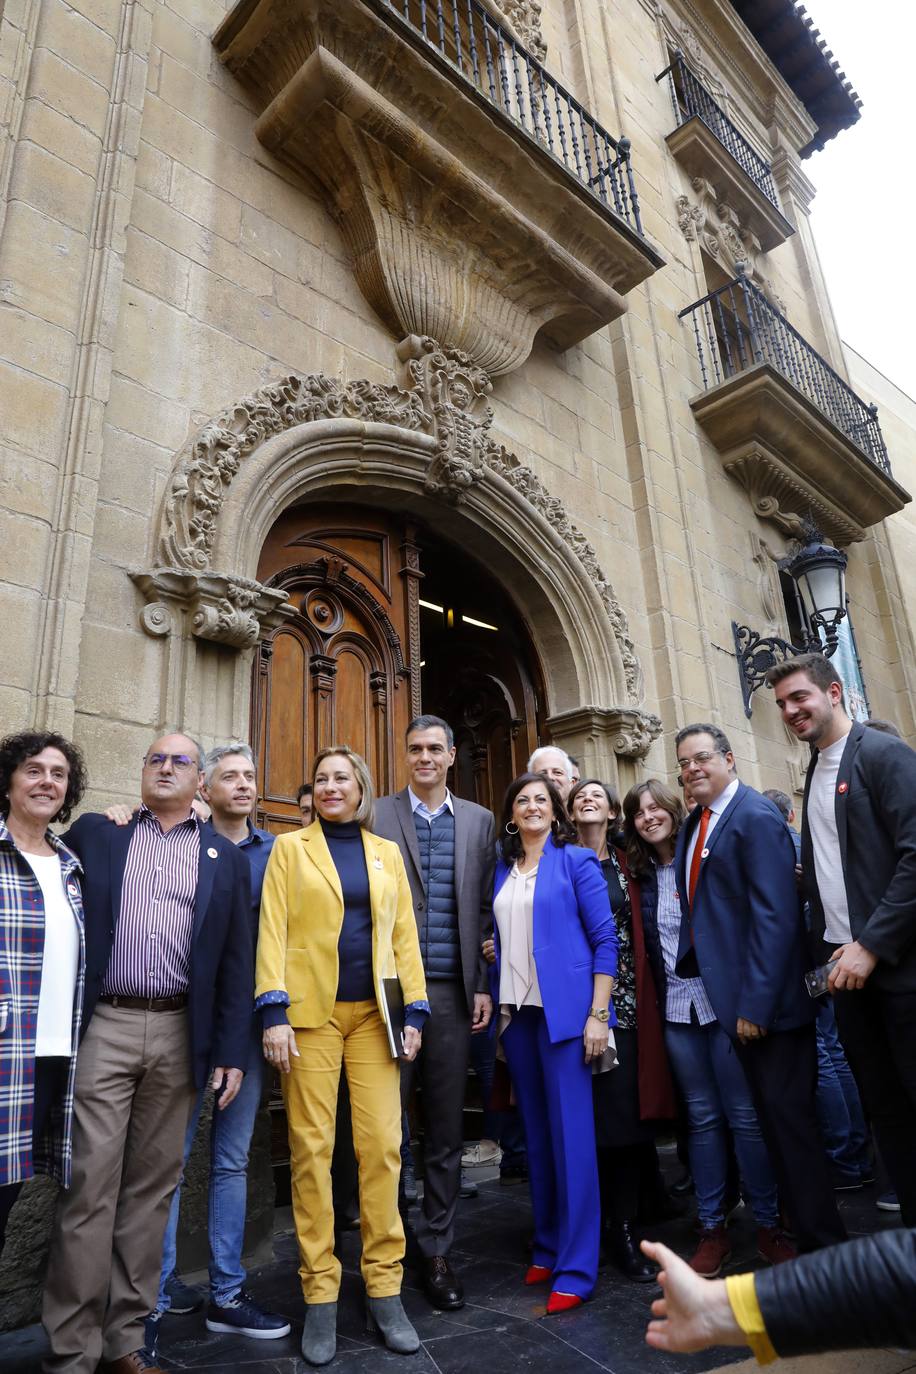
723	236
524	16
200	481
227	610
779	496
454	391
628	731
446	400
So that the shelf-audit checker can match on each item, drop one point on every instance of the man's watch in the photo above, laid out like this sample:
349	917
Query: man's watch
600	1013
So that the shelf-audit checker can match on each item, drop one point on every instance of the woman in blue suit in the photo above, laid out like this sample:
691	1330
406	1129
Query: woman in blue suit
556	956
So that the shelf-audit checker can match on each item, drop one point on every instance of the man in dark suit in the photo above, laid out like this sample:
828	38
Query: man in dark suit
449	850
169	982
859	863
742	931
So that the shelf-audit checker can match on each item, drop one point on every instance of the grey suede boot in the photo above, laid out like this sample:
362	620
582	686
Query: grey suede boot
387	1316
319	1335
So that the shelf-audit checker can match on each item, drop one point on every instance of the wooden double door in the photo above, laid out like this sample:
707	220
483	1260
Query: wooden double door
391	620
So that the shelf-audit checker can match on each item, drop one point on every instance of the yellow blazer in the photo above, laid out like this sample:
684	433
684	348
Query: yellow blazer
302	913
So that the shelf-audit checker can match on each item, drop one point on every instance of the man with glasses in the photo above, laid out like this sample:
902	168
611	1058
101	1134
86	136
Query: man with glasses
742	931
169	977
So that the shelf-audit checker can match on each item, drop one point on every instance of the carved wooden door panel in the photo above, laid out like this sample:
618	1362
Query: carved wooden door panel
339	673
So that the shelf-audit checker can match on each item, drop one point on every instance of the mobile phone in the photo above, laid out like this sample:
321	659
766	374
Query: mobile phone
816	979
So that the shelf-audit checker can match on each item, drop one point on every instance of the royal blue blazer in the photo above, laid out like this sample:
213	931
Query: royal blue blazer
574	936
746	936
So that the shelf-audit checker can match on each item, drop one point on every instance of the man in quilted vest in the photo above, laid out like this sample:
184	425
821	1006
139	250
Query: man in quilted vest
449	851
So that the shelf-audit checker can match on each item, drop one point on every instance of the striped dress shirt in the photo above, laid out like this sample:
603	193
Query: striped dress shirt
151	951
683	993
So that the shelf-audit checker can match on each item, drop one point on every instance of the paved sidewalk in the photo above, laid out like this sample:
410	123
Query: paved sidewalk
499	1331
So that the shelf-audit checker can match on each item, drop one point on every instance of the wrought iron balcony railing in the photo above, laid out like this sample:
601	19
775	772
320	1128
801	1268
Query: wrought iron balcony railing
692	100
506	75
736	328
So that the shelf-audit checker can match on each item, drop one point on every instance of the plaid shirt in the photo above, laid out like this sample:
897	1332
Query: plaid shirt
22	936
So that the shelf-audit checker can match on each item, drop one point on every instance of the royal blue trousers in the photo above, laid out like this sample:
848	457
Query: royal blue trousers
553	1085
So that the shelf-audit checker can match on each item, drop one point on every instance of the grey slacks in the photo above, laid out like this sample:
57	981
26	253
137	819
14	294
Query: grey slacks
441	1069
134	1094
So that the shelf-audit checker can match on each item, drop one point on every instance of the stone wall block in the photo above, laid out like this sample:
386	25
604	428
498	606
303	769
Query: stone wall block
42	266
77	40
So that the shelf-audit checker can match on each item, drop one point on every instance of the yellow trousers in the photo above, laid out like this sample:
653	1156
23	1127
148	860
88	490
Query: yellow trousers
354	1036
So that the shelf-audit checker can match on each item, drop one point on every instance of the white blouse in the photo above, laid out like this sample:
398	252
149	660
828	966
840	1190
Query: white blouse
60	961
513	908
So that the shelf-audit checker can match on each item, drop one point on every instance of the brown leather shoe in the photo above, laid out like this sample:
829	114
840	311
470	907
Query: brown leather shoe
774	1245
711	1253
138	1362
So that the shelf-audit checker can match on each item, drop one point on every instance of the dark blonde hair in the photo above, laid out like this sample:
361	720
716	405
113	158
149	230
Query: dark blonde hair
640	855
365	812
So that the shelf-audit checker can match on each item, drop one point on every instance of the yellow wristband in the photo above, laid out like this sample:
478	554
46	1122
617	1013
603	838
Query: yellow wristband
742	1295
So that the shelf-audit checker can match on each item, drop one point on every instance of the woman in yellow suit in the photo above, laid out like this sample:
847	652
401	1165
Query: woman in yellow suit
336	919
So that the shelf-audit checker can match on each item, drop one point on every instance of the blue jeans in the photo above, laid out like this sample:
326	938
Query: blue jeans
716	1091
839	1108
505	1127
230	1139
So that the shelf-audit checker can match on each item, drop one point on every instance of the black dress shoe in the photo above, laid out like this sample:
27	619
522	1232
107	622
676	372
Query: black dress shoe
441	1285
624	1251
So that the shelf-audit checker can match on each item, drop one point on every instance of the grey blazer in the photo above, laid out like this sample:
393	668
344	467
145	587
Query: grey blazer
475	861
875	807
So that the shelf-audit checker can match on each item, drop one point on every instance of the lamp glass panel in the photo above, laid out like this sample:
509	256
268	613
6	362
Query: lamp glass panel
822	590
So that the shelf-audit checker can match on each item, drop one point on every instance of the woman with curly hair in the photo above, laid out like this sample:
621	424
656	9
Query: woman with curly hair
556	957
42	959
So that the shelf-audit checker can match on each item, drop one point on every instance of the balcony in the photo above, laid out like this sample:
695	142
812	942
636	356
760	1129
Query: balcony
786	425
480	202
707	144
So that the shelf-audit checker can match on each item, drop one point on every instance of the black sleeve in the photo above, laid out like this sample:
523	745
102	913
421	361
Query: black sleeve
891	774
235	975
856	1296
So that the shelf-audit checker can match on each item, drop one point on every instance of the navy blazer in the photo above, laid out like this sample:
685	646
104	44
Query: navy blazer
748	937
875	808
221	984
574	936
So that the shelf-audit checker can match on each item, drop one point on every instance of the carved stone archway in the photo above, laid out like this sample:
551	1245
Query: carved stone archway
425	448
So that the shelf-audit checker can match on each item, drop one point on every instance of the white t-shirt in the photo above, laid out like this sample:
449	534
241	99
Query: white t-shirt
828	862
60	963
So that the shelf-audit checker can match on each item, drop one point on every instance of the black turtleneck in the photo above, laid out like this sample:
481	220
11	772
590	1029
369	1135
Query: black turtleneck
354	948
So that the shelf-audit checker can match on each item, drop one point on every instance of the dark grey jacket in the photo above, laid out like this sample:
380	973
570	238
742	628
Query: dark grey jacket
875	806
475	860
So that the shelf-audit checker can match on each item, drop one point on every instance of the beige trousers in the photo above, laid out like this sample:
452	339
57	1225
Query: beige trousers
355	1037
134	1094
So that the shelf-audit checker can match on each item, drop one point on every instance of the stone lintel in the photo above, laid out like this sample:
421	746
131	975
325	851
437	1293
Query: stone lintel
792	459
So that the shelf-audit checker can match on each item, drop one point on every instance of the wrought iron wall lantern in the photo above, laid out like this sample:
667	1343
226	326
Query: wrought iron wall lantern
819	573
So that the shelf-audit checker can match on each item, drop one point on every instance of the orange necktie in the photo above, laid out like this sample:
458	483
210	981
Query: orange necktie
697	858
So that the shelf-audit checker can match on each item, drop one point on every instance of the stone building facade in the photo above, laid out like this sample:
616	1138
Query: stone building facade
347	366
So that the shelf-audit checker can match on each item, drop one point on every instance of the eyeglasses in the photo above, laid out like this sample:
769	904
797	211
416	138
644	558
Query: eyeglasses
181	761
700	760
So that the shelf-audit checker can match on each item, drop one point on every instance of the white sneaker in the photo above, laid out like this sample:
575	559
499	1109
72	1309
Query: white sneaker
484	1152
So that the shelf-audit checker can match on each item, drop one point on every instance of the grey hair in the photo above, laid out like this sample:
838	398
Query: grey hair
781	800
554	748
224	751
719	737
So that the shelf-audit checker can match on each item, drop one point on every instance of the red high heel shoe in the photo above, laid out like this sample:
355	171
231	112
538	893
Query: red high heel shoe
537	1273
562	1302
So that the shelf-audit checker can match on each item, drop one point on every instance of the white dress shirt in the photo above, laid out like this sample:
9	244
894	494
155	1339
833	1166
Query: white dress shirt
417	805
717	807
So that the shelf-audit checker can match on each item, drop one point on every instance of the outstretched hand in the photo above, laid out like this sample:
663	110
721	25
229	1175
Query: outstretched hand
692	1313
